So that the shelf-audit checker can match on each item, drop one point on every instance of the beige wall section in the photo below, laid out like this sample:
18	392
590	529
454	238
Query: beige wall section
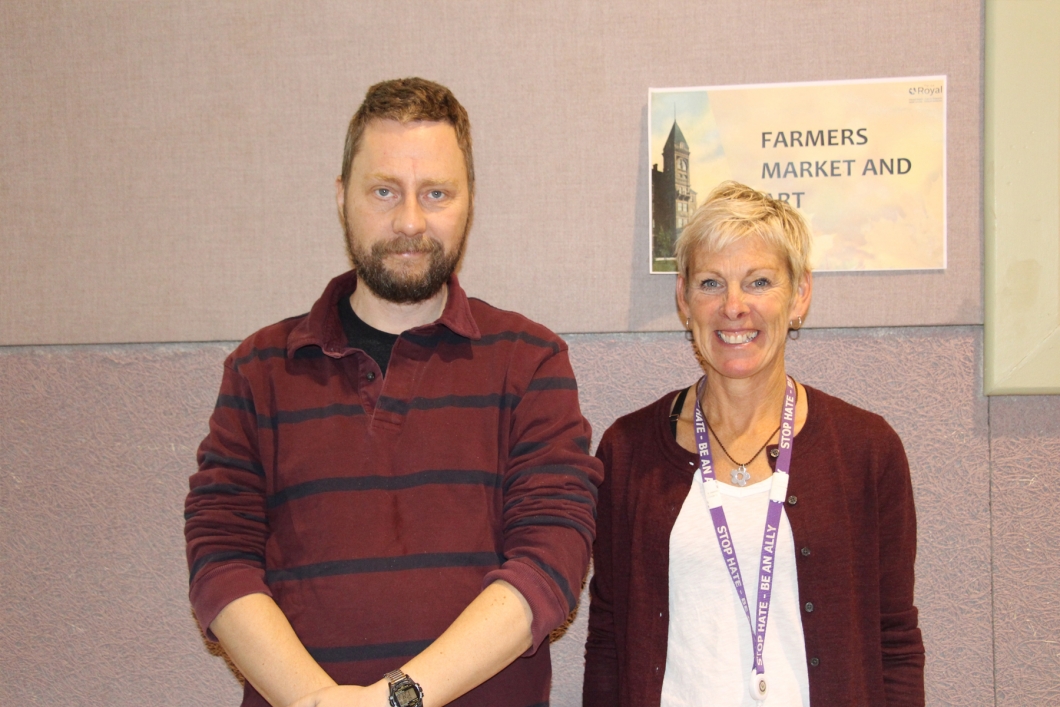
1022	183
166	167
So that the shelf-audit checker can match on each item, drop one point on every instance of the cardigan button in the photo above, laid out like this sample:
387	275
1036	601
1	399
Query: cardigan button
805	552
370	376
775	452
809	607
815	662
792	500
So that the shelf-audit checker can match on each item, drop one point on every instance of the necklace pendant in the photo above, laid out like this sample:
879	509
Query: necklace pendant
740	475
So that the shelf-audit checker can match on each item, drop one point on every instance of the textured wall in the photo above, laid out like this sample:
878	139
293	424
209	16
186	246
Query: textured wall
1025	446
95	449
96	444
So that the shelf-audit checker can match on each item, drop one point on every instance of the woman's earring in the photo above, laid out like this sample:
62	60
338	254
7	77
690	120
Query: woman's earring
793	328
688	329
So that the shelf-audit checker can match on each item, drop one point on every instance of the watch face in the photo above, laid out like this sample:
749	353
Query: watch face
405	693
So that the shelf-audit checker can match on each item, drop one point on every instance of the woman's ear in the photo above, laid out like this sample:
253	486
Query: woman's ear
800	305
679	294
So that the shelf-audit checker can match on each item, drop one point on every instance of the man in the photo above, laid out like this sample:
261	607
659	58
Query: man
398	483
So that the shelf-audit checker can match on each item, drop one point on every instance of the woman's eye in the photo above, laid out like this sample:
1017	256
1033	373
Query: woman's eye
710	284
761	282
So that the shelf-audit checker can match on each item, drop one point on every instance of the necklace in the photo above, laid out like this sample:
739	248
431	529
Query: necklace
740	475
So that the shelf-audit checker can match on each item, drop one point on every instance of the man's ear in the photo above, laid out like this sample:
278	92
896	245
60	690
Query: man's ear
340	200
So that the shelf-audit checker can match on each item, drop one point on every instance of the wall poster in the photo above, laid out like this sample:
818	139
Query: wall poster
864	162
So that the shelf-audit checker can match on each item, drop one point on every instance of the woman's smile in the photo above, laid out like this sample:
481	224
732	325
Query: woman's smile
742	337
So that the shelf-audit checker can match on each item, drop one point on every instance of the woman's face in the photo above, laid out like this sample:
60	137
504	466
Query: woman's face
739	302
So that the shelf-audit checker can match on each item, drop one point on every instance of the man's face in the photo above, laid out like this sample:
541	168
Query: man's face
406	207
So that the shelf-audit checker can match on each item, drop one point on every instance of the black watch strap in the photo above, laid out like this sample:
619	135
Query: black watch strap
404	691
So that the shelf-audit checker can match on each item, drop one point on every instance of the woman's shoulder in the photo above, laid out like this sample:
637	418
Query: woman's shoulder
640	425
639	452
848	420
638	418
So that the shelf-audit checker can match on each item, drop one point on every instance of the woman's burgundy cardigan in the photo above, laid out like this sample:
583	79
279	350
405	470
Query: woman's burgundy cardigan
850	505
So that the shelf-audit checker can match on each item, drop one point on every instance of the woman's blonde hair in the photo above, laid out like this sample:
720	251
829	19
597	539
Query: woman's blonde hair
734	211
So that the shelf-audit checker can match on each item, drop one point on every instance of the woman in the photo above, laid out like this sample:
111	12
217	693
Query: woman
824	553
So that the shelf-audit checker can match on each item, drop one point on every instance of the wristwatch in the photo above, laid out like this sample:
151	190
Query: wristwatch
404	692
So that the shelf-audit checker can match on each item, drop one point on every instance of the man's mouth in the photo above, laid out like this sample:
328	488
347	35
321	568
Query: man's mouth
405	246
737	338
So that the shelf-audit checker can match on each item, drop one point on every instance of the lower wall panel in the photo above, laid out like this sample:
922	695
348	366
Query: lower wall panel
1025	447
96	444
95	450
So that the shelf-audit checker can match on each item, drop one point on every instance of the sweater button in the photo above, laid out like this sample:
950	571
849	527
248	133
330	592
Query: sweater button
370	376
775	452
815	662
809	607
792	500
805	552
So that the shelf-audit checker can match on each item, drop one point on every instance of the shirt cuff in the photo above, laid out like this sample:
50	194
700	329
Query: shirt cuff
546	605
215	589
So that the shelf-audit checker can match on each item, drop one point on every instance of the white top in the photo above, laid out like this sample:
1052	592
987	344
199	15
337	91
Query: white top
709	651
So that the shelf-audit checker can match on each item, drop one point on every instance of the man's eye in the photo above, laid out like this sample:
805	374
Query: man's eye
436	194
383	192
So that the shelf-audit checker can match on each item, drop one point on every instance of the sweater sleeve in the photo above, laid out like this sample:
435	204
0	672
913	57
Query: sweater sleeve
550	487
600	684
901	642
225	525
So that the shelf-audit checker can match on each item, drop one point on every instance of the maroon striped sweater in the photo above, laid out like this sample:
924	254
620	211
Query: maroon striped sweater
374	510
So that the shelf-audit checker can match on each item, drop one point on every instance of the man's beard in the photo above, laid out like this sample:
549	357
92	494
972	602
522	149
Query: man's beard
404	287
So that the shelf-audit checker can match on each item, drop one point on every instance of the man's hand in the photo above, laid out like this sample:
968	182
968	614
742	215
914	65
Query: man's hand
375	695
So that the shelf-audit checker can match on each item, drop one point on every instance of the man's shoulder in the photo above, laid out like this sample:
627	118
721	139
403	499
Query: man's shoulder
268	342
496	323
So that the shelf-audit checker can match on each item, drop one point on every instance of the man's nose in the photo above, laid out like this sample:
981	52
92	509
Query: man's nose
409	219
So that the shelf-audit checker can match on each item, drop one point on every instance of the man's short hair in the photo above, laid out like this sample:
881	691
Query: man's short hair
406	101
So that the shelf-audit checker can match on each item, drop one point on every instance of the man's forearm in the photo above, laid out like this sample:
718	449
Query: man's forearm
489	634
260	641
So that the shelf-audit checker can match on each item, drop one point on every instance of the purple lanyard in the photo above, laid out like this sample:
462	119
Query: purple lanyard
777	492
